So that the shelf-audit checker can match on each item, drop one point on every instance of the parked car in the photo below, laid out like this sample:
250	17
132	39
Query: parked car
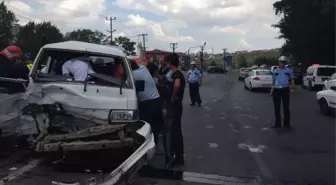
216	69
243	73
258	78
274	68
316	75
96	118
327	100
330	82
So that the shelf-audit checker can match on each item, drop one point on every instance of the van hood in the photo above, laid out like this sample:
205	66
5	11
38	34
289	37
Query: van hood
94	103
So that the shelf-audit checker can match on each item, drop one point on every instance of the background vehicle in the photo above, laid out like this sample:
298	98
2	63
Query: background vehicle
273	68
258	79
216	69
316	75
330	82
327	100
254	67
243	73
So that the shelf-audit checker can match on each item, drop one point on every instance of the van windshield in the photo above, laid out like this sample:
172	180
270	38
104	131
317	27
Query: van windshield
72	66
324	71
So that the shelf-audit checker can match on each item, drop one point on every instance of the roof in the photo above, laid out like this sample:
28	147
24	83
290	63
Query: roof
89	47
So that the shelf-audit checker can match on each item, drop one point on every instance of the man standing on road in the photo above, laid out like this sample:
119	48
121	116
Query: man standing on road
194	80
175	109
280	91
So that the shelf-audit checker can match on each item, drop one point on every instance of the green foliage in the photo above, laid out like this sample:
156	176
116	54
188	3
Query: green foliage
7	20
241	61
308	27
127	44
86	35
33	36
266	60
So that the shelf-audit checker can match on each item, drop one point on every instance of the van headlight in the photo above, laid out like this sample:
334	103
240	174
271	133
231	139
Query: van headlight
123	115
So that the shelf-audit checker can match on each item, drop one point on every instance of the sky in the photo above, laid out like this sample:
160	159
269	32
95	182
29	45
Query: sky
233	24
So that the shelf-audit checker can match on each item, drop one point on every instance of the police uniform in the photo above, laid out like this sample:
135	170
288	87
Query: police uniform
194	79
281	92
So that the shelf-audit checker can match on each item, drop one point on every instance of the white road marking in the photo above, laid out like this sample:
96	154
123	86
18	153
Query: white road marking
252	148
215	179
20	171
209	126
213	145
247	127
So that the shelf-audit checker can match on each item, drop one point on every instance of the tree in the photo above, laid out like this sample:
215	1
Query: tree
308	28
265	60
33	36
242	61
127	44
7	20
86	35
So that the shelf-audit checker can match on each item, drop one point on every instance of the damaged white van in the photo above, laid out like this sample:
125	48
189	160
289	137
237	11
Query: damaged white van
91	120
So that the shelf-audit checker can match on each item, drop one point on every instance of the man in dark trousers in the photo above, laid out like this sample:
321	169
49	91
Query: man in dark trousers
194	80
283	85
175	108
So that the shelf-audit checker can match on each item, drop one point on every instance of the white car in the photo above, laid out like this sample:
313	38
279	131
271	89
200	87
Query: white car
330	82
273	68
259	78
327	100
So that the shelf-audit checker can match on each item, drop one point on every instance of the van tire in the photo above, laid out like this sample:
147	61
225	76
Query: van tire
324	108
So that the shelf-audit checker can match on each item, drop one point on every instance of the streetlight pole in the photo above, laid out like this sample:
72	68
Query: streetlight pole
201	46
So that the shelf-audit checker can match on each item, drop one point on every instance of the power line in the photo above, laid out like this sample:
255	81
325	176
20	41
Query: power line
174	46
111	19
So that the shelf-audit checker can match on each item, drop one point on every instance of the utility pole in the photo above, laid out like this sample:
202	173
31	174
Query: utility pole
143	51
111	30
224	57
201	56
174	46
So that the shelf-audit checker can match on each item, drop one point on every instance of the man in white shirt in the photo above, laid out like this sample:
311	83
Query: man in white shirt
78	68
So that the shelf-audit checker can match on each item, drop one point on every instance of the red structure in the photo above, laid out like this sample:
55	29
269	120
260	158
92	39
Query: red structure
159	54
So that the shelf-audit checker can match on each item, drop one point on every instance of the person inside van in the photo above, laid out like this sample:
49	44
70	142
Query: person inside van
78	68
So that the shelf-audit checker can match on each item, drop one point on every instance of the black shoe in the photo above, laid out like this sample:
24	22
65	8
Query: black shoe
200	105
192	104
276	126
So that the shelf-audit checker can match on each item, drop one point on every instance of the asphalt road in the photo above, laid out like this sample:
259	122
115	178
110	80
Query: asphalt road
229	139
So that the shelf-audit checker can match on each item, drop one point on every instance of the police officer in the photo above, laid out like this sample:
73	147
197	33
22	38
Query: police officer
194	80
283	85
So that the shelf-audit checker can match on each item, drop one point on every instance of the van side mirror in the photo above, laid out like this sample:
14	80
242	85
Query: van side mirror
140	85
333	88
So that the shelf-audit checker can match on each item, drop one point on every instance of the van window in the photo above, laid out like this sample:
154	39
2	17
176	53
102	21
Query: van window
333	77
107	70
323	71
310	71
